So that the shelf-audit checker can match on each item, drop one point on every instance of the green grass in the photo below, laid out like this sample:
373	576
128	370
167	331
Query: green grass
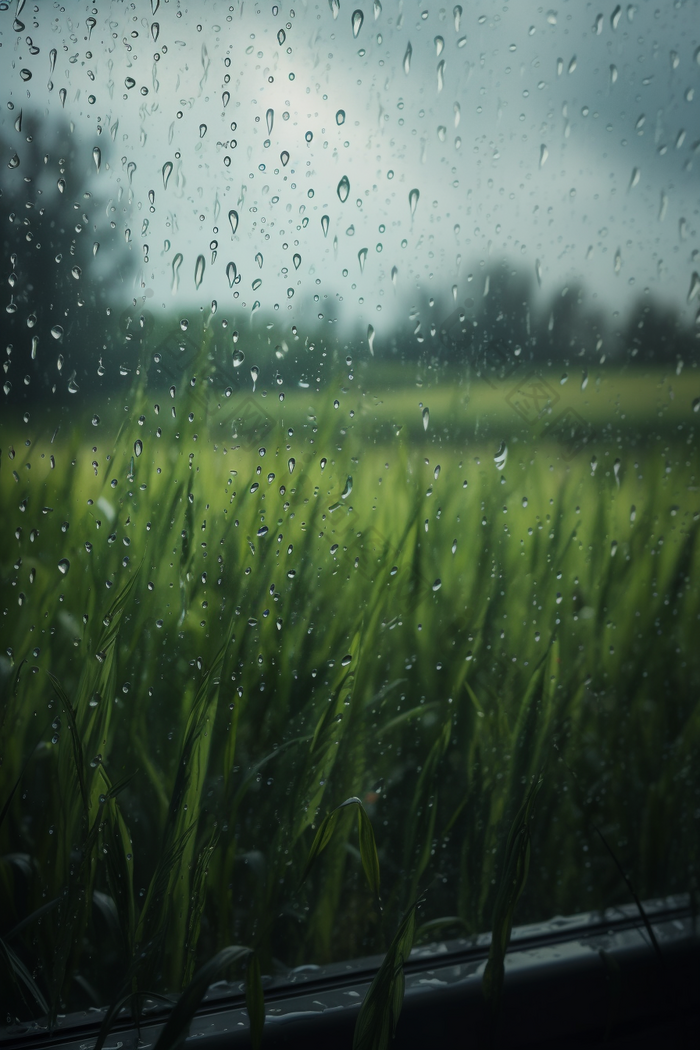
222	666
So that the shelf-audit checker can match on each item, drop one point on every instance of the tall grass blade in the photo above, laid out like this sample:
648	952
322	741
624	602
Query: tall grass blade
517	860
176	1027
380	1010
21	976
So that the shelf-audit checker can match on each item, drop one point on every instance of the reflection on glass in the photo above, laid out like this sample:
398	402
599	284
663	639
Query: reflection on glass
348	453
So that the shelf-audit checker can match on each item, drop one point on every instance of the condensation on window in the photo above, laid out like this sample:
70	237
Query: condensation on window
349	482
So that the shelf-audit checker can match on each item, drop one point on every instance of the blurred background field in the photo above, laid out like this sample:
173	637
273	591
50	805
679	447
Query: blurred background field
247	617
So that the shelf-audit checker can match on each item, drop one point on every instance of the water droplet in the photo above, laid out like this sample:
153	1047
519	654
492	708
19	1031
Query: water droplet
457	14
634	180
57	331
343	189
335	7
167	172
370	338
13	162
269	120
617	265
231	273
524	501
97	156
663	206
25	74
291	463
324	224
613	548
538	272
62	94
155	30
254	373
199	271
441	75
348	488
177	261
407	58
284	157
357	20
694	290
439	45
233	220
394	275
138	447
426	418
615	17
594	464
238	358
362	256
281	37
52	59
437	585
202	130
340	117
63	566
61	185
501	456
613	74
544	153
413	198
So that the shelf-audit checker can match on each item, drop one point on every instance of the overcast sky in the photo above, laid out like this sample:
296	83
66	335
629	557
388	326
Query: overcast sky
565	141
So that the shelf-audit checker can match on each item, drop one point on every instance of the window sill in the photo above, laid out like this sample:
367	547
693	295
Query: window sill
570	982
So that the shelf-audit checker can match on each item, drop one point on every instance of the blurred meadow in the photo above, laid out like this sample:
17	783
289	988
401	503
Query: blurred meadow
226	612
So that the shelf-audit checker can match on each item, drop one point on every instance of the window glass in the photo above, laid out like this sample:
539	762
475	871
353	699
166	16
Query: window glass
348	452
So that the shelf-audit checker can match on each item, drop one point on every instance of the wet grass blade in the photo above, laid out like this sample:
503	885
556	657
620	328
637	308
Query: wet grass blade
176	1027
368	850
255	1000
628	882
368	845
78	757
380	1010
517	860
21	975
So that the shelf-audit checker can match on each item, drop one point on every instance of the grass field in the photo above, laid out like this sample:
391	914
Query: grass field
214	635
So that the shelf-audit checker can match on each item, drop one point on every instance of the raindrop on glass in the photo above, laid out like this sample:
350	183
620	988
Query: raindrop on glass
199	271
177	261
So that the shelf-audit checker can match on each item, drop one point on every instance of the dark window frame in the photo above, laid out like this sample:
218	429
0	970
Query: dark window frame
585	981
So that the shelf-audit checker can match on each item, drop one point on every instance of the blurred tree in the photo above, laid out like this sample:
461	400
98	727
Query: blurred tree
65	262
655	333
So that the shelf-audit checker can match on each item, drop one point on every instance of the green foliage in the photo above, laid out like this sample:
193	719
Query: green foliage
180	710
381	1007
510	888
